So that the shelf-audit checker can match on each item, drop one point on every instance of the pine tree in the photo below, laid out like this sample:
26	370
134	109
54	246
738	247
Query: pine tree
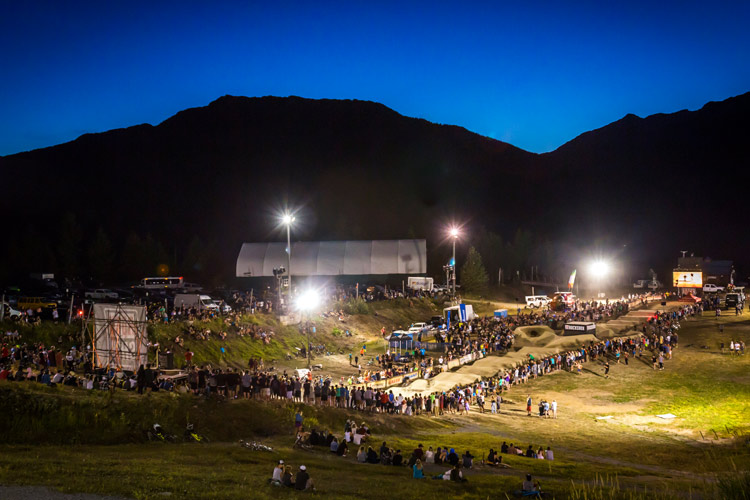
473	275
101	256
69	245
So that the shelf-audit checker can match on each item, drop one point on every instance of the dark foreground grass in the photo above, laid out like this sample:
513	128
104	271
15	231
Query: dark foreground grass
228	471
33	413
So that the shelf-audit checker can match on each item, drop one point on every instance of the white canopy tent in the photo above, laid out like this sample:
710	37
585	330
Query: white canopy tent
333	258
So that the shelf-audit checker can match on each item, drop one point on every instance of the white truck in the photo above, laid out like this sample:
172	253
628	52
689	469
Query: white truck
420	283
200	302
537	300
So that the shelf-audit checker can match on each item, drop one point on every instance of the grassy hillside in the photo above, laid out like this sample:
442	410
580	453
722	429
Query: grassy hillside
363	321
34	413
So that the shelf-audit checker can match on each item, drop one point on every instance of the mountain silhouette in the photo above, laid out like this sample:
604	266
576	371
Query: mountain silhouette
359	170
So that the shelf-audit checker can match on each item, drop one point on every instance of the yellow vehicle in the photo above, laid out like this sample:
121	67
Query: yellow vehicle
35	303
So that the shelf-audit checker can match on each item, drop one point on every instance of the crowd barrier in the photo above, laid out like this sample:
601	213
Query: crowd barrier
405	377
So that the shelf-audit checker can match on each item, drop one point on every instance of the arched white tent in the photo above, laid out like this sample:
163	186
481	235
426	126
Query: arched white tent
333	258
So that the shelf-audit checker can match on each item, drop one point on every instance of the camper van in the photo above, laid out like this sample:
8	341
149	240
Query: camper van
200	302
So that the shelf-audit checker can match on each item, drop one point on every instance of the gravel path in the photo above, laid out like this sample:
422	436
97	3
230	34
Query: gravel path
42	493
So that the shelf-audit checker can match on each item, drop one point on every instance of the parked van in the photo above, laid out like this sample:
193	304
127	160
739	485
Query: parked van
537	300
733	299
35	303
200	302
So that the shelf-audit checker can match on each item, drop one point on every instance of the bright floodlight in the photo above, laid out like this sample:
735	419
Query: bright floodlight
287	219
308	300
454	232
599	268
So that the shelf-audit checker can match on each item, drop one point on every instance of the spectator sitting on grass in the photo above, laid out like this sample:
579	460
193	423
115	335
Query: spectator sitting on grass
342	449
456	474
452	457
417	472
468	460
361	455
303	481
372	456
277	473
286	478
530	486
398	458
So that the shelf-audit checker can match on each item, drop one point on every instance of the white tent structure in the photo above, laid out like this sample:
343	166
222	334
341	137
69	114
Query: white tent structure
334	258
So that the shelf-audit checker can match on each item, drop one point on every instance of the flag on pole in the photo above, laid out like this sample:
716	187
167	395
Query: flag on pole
572	280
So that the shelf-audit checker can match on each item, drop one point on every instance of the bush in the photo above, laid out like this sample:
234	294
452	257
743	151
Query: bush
355	306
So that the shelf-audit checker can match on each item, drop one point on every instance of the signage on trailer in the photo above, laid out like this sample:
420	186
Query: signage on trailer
579	328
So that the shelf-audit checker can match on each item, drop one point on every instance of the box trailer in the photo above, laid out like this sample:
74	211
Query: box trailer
420	283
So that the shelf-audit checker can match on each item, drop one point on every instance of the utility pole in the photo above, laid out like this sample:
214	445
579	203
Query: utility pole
70	309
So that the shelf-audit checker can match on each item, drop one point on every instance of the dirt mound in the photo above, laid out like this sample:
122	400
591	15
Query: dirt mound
533	336
603	332
569	342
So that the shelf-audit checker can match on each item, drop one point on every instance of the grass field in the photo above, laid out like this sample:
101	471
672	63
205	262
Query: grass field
92	442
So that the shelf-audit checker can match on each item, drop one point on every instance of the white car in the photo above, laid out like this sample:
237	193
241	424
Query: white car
711	288
101	294
418	327
225	309
9	312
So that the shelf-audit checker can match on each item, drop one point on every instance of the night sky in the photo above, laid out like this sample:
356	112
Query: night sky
529	73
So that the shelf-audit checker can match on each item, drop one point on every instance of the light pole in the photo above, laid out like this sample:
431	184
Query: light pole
454	235
287	219
306	302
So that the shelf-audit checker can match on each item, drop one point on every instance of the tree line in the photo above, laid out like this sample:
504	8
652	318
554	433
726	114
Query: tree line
91	254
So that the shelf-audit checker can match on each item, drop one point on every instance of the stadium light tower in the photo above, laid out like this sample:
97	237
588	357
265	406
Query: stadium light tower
306	302
599	269
288	219
454	233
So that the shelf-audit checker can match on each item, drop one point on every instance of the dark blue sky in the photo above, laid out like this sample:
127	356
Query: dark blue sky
531	73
